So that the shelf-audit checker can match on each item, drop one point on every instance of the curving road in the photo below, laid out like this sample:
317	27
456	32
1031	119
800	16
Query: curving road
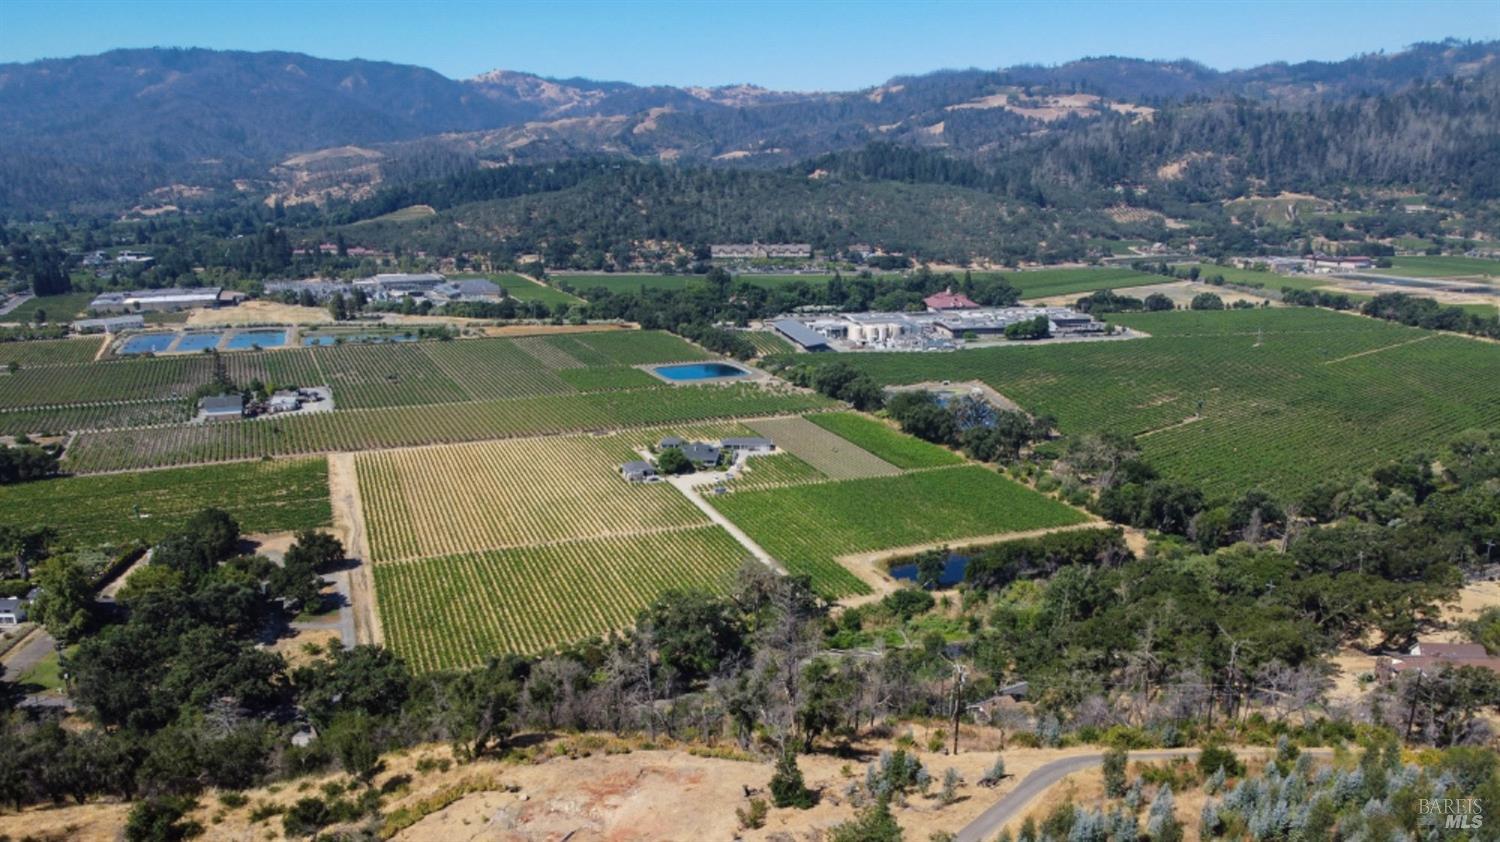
988	824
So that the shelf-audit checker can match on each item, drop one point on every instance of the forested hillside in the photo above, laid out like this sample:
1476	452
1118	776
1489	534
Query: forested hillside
189	128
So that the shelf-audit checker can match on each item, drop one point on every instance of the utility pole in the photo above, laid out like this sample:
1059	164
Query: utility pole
1411	716
958	695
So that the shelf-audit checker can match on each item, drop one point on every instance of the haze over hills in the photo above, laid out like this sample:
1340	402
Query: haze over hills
106	131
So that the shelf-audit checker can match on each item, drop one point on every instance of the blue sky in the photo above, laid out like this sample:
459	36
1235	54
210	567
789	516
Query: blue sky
803	45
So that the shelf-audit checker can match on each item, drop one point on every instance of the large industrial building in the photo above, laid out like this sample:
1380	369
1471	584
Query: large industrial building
384	287
934	330
157	300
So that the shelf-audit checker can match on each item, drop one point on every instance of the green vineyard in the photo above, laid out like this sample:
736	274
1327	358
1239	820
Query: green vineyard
456	611
263	496
57	380
358	430
807	527
49	352
1044	283
895	447
1287	396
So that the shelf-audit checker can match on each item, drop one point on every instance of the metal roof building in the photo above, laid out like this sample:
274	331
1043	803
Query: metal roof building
806	337
222	406
171	298
755	443
110	324
637	471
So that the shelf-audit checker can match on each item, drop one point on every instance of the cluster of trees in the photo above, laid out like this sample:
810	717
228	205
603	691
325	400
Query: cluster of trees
181	695
1109	301
969	422
837	380
1037	328
1400	307
1317	298
40	264
24	462
1425	312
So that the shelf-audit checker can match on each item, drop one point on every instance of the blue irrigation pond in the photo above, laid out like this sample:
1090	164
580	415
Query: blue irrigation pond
256	339
953	571
148	343
690	372
199	341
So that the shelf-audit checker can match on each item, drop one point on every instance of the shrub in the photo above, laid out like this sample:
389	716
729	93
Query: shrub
1215	757
305	817
753	817
995	775
161	820
949	792
787	786
873	824
265	810
1115	761
233	800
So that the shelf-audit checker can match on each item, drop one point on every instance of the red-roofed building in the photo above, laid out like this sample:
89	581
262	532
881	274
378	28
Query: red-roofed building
1430	657
949	300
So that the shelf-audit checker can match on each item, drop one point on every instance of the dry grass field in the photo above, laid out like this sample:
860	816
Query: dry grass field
824	451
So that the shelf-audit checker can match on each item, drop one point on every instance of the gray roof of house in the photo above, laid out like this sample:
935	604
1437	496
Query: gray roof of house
799	333
11	603
478	286
671	441
699	452
637	467
222	403
748	441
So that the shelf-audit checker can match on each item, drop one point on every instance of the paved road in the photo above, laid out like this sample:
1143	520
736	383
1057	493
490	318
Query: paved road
344	622
989	823
1011	805
688	484
25	655
14	303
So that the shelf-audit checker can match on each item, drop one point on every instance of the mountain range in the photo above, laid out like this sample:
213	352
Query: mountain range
159	128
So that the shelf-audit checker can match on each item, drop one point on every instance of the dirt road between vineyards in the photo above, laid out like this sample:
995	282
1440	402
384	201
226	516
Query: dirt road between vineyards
349	523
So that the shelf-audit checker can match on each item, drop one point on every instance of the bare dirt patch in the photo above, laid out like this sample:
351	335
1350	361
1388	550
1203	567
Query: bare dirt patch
294	646
1472	599
550	330
593	788
258	313
1181	293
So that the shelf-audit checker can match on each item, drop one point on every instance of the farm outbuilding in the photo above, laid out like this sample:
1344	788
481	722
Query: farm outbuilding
748	444
221	406
156	300
12	611
801	334
638	471
112	324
